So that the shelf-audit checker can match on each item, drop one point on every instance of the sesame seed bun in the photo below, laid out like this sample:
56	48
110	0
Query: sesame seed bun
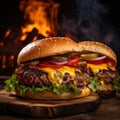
46	47
97	47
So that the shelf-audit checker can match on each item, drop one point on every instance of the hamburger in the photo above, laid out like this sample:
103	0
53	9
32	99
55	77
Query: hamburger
59	68
101	61
49	69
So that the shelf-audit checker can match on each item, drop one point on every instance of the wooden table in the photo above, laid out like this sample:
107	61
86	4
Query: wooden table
108	110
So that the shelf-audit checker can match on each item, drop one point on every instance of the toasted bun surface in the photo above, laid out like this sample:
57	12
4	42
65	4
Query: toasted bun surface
97	47
46	47
52	96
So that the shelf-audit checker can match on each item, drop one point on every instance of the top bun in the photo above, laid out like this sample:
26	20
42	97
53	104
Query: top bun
61	45
46	47
97	47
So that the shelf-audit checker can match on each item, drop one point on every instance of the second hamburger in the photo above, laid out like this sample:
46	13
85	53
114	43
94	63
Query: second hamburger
101	61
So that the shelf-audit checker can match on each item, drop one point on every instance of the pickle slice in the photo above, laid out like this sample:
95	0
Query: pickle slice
89	55
59	58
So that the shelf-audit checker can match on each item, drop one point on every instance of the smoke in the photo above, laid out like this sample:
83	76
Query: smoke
82	19
90	20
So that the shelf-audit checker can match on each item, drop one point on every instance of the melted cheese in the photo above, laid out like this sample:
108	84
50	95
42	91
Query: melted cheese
56	75
51	74
66	69
95	68
106	86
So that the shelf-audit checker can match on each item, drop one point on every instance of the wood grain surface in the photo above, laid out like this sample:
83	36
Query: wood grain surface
11	104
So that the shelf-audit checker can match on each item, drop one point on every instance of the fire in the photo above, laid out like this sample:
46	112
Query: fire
39	15
40	20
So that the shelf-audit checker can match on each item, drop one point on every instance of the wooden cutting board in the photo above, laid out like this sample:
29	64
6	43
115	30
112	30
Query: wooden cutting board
11	104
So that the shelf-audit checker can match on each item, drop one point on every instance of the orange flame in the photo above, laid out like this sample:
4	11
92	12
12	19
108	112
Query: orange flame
39	15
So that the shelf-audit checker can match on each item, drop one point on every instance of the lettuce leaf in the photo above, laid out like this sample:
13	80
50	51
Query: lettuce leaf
94	84
12	83
116	84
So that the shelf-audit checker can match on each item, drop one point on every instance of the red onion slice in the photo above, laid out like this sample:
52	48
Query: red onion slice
57	63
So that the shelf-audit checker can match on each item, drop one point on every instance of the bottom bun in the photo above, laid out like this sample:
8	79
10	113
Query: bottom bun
106	93
52	96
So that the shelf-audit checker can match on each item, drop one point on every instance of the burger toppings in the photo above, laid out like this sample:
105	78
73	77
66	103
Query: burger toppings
95	68
54	64
107	77
45	73
89	56
67	71
97	62
70	72
97	59
56	75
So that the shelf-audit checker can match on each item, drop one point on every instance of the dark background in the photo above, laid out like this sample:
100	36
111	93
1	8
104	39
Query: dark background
11	15
88	20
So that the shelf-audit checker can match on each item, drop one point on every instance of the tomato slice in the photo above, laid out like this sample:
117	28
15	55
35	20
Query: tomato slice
45	64
71	62
110	63
96	61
